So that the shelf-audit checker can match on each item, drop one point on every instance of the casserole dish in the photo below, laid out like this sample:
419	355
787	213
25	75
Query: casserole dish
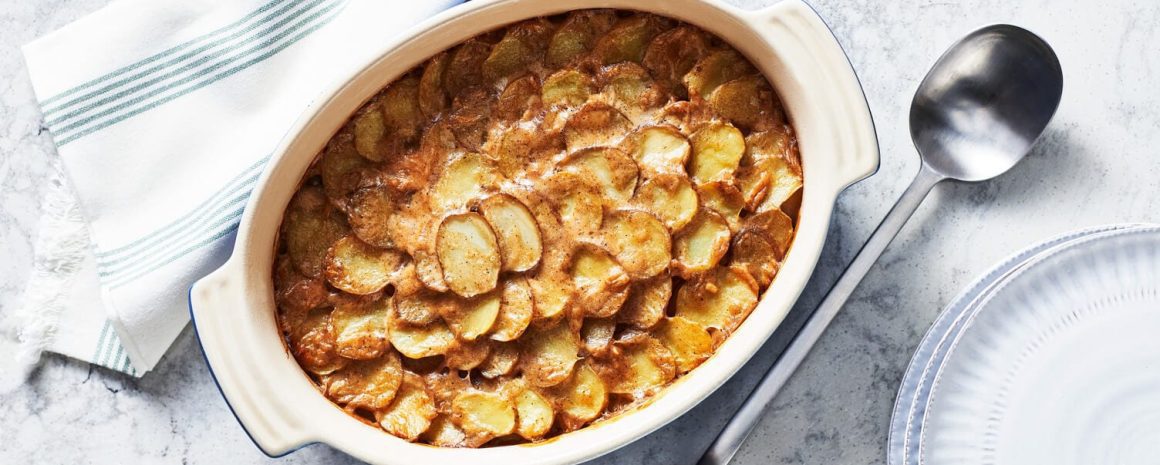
233	307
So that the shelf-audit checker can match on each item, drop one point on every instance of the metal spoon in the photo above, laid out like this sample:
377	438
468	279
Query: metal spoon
975	115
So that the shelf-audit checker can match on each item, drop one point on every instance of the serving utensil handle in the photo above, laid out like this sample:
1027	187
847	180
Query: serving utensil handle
722	450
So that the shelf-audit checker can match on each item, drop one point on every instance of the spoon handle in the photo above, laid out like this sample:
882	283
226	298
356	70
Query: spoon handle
722	450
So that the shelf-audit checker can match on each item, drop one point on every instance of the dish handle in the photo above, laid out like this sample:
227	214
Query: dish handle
224	330
803	37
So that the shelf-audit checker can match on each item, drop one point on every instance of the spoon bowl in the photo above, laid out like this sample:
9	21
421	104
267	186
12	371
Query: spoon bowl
985	102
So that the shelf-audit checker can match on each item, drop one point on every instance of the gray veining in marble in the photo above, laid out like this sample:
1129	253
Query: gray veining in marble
1097	164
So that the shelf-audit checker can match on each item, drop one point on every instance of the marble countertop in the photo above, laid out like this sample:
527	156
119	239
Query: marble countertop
1096	164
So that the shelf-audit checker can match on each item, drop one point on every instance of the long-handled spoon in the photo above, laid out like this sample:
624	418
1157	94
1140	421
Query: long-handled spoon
975	115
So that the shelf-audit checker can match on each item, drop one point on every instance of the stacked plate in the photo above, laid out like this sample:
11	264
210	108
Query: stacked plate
1051	357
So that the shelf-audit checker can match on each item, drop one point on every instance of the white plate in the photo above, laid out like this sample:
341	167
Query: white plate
914	390
1059	365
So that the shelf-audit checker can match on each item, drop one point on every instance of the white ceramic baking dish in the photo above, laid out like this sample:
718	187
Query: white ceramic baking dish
233	308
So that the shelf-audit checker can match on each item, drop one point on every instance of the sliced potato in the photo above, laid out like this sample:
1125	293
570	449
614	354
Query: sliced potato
360	327
465	177
643	366
470	118
660	150
754	252
421	341
597	334
501	361
582	398
715	69
747	102
313	344
673	53
401	114
689	343
720	300
443	432
468	254
341	166
646	302
776	226
369	131
601	283
464	355
428	270
628	39
370	207
549	354
368	384
411	412
717	151
608	168
465	68
724	199
521	45
359	268
552	293
518	233
295	292
579	200
701	244
783	184
309	228
577	35
515	311
639	241
567	87
471	318
432	96
671	198
520	97
760	163
534	415
484	415
418	308
631	90
596	124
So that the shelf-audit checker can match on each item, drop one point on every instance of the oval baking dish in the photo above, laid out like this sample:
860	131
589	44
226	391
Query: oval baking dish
234	311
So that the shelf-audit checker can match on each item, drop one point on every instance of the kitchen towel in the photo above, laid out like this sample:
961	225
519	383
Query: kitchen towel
164	113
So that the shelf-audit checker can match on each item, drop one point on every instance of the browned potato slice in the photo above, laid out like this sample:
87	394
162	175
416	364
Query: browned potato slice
747	102
432	96
521	45
701	244
313	344
465	68
470	118
581	399
534	415
520	97
412	411
465	177
646	302
765	155
471	318
359	268
671	198
631	90
444	433
418	308
720	300
309	228
483	415
369	131
775	226
552	293
689	343
673	53
421	341
715	69
341	166
369	384
360	327
640	242
595	124
515	310
370	207
467	355
518	233
644	365
608	168
468	254
549	354
597	334
295	292
579	201
628	39
428	270
783	184
567	87
660	150
577	35
754	252
601	282
717	151
401	114
501	361
724	199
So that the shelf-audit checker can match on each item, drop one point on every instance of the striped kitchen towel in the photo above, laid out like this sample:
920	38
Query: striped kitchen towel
164	113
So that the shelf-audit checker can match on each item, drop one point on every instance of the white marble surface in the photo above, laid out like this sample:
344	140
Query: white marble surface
1097	164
